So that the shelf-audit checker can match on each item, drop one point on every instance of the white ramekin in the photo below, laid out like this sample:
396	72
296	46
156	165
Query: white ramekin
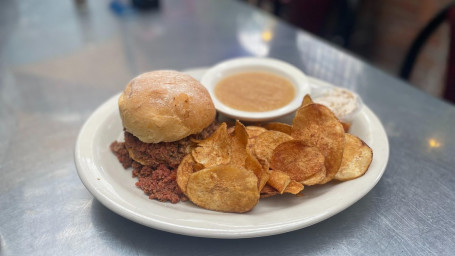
252	64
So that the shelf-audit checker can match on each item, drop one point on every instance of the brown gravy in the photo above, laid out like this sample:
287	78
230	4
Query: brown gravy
255	91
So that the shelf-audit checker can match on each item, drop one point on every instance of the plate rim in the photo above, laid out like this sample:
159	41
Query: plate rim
97	191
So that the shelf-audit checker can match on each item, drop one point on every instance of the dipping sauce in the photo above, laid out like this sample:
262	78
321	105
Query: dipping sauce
340	101
255	91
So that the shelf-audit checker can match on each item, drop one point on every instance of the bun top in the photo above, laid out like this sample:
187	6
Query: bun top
165	106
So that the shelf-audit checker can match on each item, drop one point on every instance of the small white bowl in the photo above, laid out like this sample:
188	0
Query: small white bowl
348	117
250	64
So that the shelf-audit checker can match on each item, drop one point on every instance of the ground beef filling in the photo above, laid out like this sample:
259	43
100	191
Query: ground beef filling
154	154
156	168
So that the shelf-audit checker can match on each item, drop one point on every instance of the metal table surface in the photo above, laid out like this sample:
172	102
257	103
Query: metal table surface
58	62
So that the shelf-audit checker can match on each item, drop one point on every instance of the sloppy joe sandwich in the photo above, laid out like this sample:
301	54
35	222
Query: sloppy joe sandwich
161	111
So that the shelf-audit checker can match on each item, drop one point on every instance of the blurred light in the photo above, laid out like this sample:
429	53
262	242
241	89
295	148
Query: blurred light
254	33
253	44
267	35
434	143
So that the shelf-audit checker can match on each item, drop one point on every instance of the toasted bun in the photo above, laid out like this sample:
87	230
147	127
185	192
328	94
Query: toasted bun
165	105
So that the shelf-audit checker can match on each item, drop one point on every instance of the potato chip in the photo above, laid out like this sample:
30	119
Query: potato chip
316	178
252	130
306	100
294	187
184	172
268	191
136	158
281	127
238	143
267	141
214	150
317	126
197	166
297	160
278	180
253	133
264	163
357	158
262	181
346	126
265	172
225	188
252	164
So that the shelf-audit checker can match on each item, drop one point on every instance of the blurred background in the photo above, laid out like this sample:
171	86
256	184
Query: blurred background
406	38
411	39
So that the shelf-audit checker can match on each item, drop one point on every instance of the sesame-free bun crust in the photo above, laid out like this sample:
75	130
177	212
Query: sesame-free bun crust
165	106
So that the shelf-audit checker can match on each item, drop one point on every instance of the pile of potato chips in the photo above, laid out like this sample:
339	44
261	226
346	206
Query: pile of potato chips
232	169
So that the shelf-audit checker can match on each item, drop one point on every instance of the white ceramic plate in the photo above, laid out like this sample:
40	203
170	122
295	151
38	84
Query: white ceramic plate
114	187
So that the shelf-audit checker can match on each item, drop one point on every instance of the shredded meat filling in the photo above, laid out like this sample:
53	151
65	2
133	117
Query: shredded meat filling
157	169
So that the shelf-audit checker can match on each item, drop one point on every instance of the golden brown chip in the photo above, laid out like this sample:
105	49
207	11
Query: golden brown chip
278	180
267	141
297	160
253	133
184	172
225	188
306	100
357	158
137	159
268	191
214	150
316	178
262	181
197	166
281	127
264	163
239	142
317	126
252	164
294	187
241	155
230	130
346	126
265	172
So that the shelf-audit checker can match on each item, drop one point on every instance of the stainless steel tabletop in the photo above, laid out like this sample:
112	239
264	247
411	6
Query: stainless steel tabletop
58	62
